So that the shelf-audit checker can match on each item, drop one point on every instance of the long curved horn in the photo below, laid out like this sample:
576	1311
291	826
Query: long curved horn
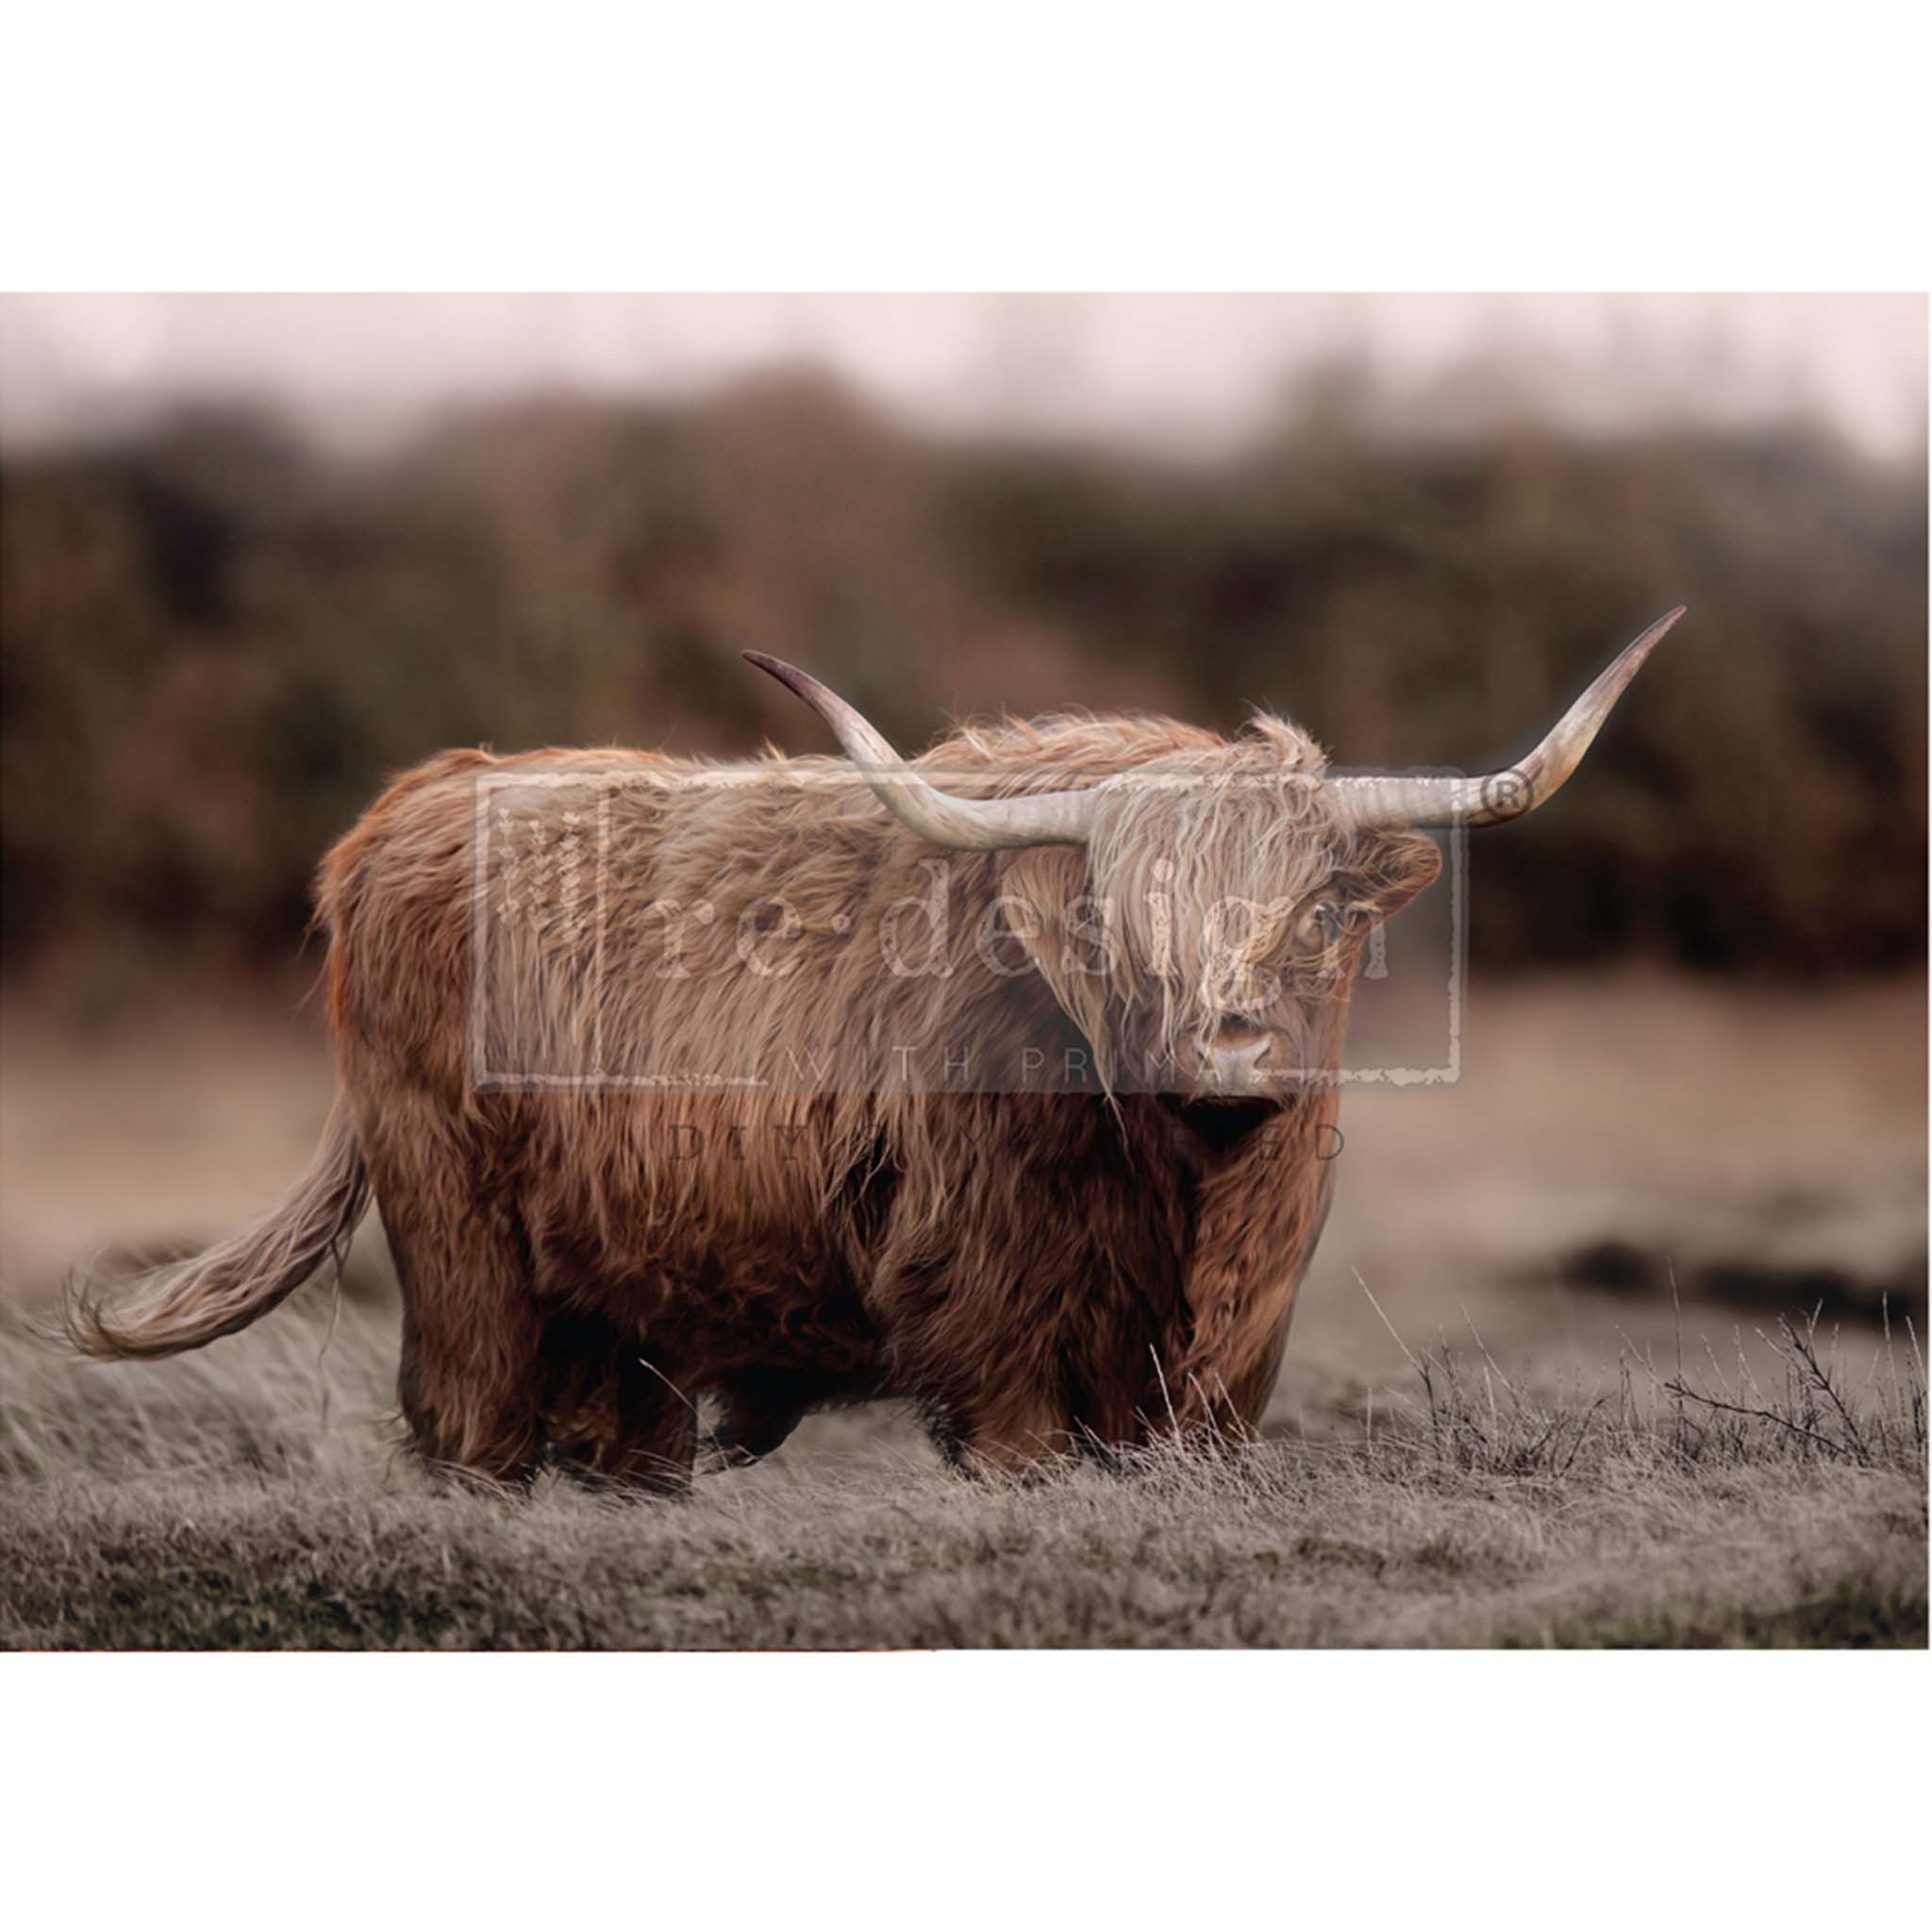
967	824
1428	804
1064	818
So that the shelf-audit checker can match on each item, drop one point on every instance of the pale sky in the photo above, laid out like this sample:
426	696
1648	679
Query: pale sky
1191	371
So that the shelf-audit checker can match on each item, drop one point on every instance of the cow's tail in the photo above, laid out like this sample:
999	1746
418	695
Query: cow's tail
184	1304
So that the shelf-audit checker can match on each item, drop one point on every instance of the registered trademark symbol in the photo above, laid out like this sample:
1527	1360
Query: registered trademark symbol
1505	792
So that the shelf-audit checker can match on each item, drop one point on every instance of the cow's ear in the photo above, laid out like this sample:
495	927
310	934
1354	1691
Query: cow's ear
1395	868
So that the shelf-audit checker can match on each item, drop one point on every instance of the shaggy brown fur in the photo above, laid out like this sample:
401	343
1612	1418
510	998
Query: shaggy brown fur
675	1079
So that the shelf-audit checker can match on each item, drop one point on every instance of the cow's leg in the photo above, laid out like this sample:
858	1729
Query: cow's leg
469	1375
1029	1280
608	1416
994	1394
762	1406
1024	1432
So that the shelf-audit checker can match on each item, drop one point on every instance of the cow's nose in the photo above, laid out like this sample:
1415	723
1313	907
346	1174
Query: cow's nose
1240	1054
1240	1036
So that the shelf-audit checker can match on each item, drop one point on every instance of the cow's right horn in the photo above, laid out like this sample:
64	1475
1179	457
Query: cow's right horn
967	824
1426	804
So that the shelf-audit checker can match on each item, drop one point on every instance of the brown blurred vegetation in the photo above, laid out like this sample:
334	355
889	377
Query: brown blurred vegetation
217	641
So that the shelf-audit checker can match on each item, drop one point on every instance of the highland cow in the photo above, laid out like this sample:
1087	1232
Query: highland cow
812	1080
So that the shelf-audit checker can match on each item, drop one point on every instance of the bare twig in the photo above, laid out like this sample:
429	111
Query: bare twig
1761	1415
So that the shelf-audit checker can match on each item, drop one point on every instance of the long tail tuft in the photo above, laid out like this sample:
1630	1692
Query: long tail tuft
185	1303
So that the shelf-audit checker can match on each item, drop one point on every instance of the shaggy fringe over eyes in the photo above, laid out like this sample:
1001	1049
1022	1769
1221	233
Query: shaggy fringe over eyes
1200	863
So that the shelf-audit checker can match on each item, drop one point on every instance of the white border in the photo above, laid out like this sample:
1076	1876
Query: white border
1397	147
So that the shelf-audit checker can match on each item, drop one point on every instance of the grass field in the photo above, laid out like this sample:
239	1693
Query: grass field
252	1497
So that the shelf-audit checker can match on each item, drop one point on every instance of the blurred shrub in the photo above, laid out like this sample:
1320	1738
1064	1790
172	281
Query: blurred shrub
216	642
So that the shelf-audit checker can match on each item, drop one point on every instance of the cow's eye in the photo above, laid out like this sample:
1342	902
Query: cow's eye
1321	923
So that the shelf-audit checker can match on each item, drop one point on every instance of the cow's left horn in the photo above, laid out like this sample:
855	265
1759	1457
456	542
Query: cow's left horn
967	824
1426	804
